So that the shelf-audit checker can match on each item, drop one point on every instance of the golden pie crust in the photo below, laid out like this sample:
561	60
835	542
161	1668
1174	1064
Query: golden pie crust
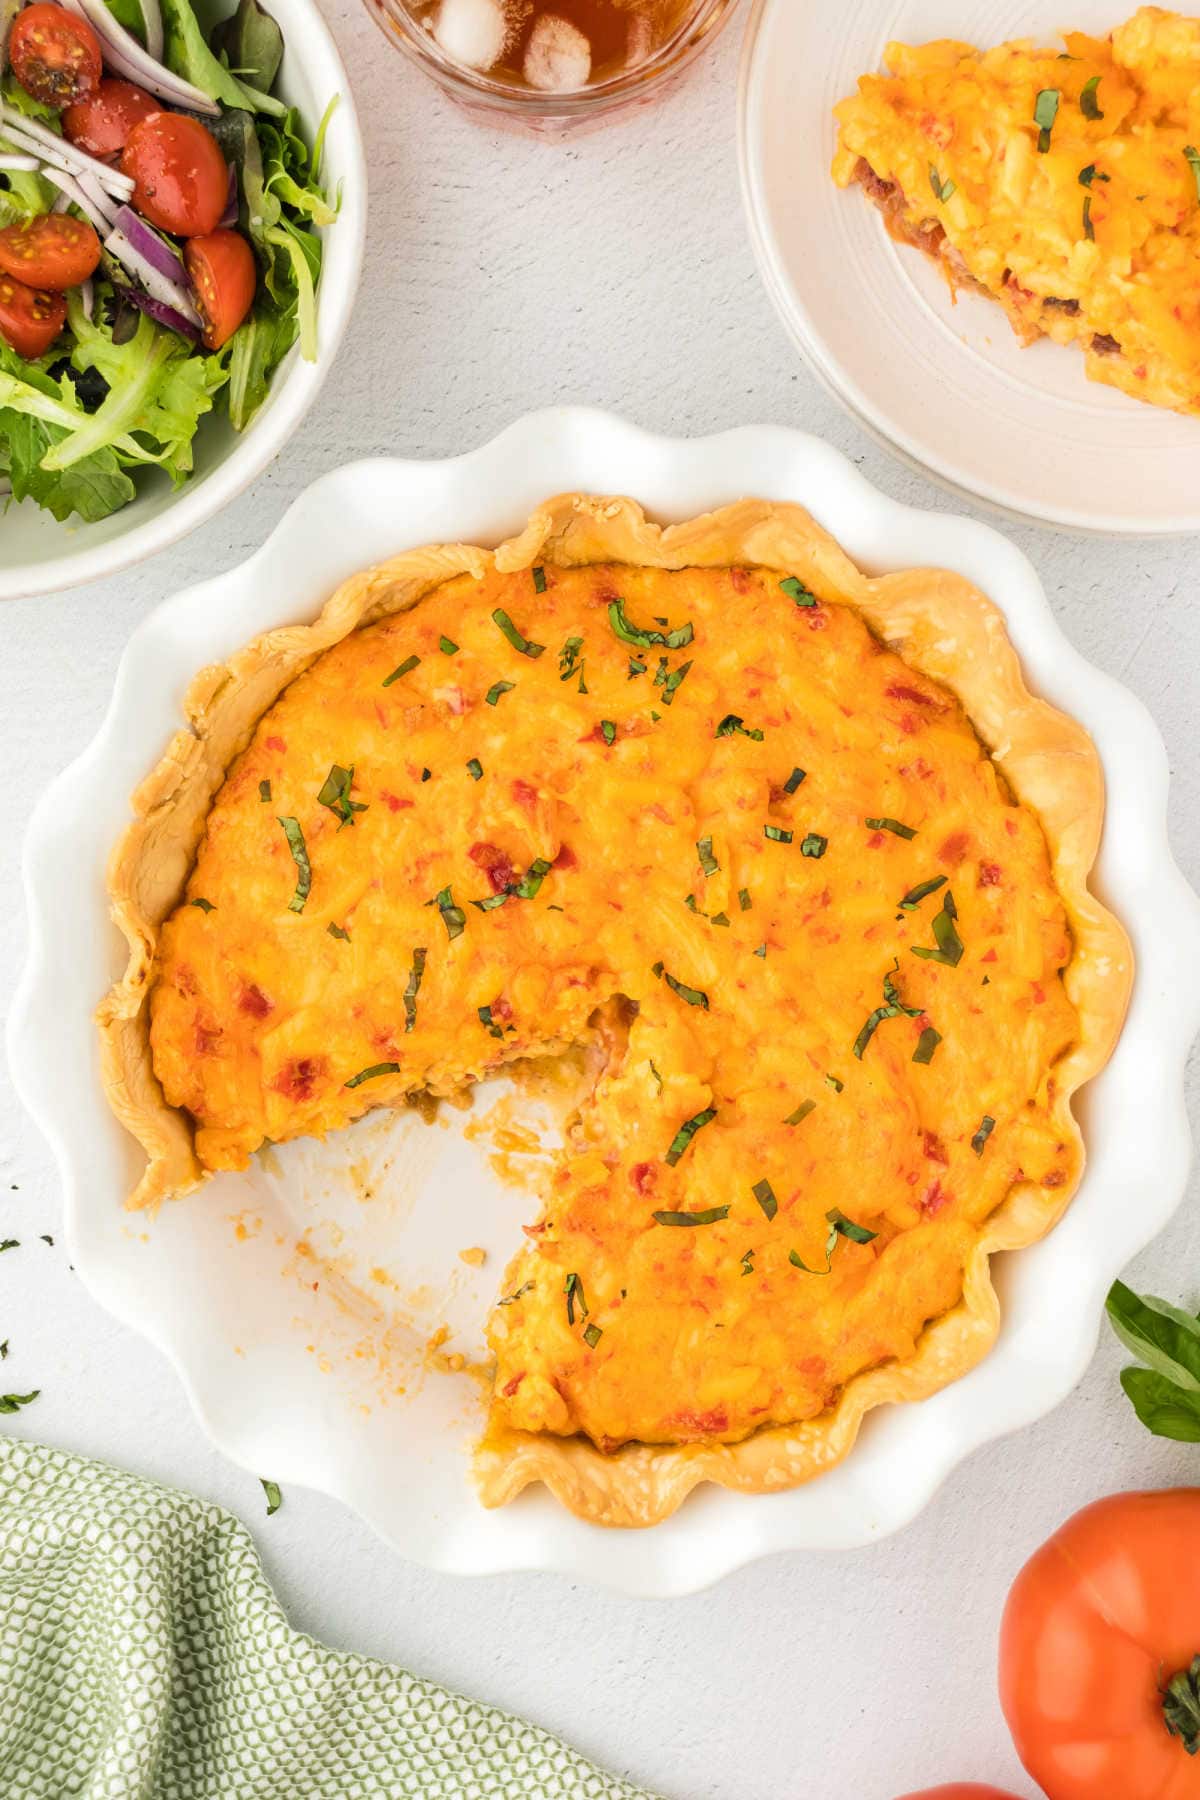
942	627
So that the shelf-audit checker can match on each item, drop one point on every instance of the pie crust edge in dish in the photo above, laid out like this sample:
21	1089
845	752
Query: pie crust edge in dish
942	626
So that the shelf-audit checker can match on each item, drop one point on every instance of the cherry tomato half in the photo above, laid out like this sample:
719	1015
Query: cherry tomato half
55	56
101	124
962	1790
222	273
30	318
179	175
52	251
1100	1652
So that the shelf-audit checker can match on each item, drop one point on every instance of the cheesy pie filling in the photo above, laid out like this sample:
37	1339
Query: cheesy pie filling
1065	185
707	824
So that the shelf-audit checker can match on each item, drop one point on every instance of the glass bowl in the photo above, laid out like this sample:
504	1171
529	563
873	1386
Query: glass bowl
503	102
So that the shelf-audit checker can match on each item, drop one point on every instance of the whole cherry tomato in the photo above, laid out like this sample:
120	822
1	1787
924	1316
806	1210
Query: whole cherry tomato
101	123
30	318
55	56
1099	1671
52	251
961	1790
179	175
222	273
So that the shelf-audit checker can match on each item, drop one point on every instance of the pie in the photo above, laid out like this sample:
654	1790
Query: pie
1065	185
791	852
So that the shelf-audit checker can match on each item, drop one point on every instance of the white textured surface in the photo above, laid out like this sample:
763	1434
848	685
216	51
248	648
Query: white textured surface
503	275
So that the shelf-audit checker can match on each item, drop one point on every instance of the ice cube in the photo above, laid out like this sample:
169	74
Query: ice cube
557	56
472	31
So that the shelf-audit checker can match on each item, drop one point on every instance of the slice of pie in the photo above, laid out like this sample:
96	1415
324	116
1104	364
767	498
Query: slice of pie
792	852
1066	185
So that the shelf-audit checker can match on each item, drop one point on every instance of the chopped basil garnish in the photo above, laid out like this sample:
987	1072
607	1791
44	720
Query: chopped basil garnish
592	1335
569	662
762	951
264	790
274	1497
892	825
794	779
839	1226
453	917
337	931
335	794
1089	105
748	1262
777	834
1193	160
712	1215
539	580
1089	230
405	668
927	1043
945	935
206	906
795	590
653	1070
485	1018
833	1082
1091	173
687	1132
1044	114
376	1069
921	892
519	1293
573	1289
708	861
814	845
718	918
644	639
497	688
744	900
11	1403
447	646
693	996
733	726
636	667
533	878
515	637
764	1193
801	1113
670	683
492	901
986	1127
942	190
797	1261
475	768
299	850
892	1008
426	774
608	731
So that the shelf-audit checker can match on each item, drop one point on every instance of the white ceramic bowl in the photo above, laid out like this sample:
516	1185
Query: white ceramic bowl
298	1384
947	385
37	554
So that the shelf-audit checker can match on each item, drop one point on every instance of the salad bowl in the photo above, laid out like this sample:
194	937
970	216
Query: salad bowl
40	555
332	1377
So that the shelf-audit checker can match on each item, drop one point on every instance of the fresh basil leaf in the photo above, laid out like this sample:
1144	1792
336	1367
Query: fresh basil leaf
250	43
1161	1335
1164	1408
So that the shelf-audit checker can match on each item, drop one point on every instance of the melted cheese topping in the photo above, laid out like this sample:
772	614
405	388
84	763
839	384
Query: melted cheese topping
763	869
1066	187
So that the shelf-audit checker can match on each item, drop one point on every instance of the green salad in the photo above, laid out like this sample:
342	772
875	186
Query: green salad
160	211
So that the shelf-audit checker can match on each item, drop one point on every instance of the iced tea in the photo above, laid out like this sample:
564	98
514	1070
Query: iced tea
551	46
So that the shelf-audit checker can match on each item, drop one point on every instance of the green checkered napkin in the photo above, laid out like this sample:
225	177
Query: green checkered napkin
144	1657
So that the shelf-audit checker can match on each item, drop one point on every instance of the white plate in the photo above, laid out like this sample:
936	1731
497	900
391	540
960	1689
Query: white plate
949	386
40	556
295	1383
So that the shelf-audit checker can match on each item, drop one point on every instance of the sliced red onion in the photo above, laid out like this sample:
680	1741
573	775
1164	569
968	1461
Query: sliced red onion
149	245
152	19
160	312
160	287
20	165
72	193
60	202
229	217
123	53
30	136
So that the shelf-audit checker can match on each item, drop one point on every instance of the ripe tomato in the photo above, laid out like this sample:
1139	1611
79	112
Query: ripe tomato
961	1790
222	273
30	319
52	251
1097	1677
179	175
101	124
55	56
